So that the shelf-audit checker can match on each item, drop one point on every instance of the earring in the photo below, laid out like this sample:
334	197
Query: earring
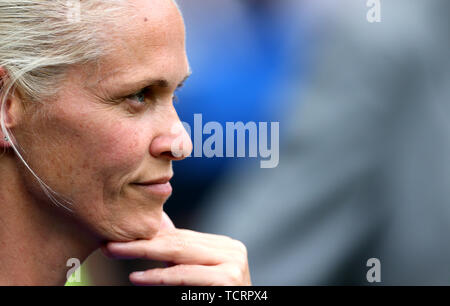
6	139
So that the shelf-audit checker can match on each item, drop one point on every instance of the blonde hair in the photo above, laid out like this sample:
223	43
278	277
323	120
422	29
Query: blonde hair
39	39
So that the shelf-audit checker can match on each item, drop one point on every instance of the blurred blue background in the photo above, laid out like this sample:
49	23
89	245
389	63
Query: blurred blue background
241	55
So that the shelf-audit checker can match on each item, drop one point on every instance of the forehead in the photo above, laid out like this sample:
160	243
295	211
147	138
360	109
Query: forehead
148	42
153	22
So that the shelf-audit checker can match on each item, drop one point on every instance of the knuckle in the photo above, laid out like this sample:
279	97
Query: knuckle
177	245
235	275
147	252
242	262
227	238
158	276
240	246
221	238
179	273
179	270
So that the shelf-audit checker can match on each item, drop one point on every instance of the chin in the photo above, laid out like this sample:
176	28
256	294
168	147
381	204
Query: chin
128	228
133	228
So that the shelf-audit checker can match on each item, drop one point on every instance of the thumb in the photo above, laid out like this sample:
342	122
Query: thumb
166	223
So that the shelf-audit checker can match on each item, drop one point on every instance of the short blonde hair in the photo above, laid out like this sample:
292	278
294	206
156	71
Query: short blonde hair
39	39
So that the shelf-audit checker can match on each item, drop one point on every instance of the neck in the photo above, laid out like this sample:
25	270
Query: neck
36	239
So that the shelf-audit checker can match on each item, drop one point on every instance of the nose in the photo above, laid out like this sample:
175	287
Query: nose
173	143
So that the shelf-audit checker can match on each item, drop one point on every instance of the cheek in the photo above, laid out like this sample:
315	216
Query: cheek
113	152
79	154
89	155
117	146
112	159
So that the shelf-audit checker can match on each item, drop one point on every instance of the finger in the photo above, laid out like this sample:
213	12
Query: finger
173	249
180	244
107	253
180	275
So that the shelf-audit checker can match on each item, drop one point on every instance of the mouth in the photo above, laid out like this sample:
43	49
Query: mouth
160	187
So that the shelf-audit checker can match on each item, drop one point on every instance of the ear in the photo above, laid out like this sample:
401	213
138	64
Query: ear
13	109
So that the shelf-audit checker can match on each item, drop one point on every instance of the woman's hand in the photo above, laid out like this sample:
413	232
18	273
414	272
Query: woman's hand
196	259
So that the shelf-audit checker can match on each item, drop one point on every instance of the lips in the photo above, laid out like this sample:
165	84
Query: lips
159	187
161	180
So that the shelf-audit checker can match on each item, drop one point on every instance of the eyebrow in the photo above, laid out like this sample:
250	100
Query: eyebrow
146	83
163	83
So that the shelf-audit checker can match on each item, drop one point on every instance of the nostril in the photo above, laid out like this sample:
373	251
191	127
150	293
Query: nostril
169	155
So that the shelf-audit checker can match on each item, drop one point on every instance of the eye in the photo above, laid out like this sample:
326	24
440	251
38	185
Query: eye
140	96
143	96
175	98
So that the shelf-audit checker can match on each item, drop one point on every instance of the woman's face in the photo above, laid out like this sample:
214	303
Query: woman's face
99	138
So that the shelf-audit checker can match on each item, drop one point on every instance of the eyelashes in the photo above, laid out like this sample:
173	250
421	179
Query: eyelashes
145	96
175	98
139	97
